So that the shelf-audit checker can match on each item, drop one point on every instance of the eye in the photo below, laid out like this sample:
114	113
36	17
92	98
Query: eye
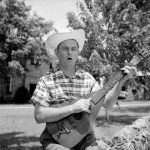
74	49
65	48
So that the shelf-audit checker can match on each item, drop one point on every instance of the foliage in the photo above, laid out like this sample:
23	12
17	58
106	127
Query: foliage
20	35
116	29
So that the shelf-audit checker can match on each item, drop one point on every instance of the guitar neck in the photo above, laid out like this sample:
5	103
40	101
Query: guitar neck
98	95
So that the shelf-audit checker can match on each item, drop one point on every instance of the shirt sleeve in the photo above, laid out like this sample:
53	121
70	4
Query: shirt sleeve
41	94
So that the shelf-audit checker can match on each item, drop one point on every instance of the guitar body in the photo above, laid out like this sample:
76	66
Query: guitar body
72	132
74	127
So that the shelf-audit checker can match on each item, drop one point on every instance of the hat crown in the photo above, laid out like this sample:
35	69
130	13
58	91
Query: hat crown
52	32
54	38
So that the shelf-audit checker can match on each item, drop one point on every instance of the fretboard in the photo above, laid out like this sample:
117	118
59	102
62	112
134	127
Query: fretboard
98	95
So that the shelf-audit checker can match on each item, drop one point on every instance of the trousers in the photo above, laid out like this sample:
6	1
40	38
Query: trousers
89	142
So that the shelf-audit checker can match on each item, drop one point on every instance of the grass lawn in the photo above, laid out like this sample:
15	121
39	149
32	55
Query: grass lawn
19	131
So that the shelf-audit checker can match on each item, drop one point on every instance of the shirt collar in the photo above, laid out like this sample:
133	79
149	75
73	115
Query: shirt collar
78	73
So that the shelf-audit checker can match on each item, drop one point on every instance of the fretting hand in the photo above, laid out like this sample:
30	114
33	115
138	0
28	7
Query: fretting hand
129	71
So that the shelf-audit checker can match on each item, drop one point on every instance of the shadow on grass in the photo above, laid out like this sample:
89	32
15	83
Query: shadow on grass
16	141
125	116
137	109
117	119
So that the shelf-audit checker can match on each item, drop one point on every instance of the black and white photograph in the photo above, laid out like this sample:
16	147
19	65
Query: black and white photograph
74	75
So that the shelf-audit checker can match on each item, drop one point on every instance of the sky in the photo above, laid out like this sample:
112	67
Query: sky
53	10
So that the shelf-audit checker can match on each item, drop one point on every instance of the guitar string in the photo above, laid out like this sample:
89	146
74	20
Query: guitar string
108	85
112	82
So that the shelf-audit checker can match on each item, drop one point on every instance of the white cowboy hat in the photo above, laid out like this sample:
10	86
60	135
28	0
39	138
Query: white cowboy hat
55	39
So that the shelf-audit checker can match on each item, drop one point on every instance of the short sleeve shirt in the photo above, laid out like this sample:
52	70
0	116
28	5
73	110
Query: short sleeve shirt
55	87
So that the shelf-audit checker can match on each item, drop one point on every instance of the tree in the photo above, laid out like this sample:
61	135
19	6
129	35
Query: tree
117	29
20	36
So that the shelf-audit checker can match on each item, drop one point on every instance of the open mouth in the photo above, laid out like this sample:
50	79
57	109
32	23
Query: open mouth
69	58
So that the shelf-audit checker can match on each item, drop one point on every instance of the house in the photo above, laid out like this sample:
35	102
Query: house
14	81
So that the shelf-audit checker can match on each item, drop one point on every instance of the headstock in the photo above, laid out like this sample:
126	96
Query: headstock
143	53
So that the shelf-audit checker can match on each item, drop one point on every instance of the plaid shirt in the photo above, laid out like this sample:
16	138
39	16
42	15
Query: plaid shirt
55	87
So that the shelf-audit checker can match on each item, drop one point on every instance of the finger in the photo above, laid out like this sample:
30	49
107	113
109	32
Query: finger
87	105
87	101
126	62
88	111
130	68
124	71
127	72
90	98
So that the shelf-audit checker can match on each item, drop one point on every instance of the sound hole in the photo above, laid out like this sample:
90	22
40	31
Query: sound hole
78	116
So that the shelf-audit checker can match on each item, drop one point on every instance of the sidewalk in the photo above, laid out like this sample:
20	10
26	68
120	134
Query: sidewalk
121	102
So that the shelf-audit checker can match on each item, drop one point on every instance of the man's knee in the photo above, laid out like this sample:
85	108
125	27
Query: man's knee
55	147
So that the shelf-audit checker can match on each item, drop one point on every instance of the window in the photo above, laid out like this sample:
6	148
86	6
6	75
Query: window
36	60
8	84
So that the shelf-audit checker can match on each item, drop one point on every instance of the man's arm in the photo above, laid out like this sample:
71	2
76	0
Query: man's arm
51	114
112	96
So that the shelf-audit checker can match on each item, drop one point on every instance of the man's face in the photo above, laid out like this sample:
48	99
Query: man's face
67	52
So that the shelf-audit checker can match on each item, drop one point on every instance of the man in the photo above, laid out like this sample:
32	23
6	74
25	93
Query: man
64	83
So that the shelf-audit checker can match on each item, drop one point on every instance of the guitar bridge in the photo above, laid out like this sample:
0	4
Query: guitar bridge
59	133
62	130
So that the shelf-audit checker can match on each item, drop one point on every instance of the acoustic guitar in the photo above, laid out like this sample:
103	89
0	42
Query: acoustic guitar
71	130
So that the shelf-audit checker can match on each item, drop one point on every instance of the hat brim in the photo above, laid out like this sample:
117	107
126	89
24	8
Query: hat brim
54	40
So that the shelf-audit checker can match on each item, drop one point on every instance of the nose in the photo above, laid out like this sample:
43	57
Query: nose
69	51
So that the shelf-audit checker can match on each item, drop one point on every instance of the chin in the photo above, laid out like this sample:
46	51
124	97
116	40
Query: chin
70	63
